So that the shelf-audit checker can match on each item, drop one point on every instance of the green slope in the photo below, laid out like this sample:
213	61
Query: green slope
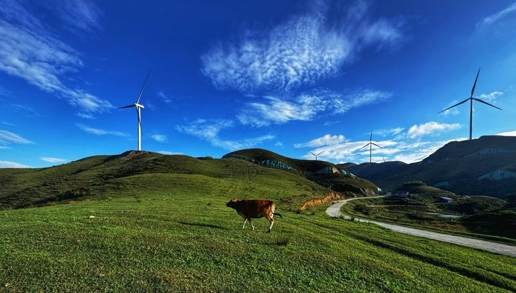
98	176
102	176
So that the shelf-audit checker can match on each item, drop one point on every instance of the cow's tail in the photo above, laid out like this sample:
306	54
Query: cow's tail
278	215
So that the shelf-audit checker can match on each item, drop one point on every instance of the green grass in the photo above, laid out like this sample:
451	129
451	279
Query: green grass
489	223
178	236
143	222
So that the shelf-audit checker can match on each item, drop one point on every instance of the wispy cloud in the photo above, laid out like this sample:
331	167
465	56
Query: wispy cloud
326	140
8	164
498	16
53	160
306	107
430	128
7	138
30	51
209	131
81	14
396	145
508	133
358	99
97	131
490	97
300	51
159	137
275	110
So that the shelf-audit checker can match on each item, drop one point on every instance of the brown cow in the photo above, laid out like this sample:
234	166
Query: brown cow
254	209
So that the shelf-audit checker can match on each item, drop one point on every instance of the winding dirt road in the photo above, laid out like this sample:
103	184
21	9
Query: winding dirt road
509	250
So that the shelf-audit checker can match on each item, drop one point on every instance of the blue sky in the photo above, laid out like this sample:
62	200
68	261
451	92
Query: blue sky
294	77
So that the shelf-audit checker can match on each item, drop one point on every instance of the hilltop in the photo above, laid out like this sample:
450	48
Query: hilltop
483	166
110	176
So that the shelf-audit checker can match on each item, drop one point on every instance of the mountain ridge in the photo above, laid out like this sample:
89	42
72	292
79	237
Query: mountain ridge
486	165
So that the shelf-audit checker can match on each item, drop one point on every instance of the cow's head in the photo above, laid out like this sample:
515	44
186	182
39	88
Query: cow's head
232	202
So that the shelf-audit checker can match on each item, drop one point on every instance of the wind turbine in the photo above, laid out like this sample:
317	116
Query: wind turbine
471	106
316	155
138	107
370	144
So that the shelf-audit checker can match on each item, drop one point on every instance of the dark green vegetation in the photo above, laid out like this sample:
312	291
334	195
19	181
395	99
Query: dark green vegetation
154	223
432	207
484	166
104	176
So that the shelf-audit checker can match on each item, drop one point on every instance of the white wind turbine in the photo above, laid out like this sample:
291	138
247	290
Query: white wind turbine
138	107
370	144
471	106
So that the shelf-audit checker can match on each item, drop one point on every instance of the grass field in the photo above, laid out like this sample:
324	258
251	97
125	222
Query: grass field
173	233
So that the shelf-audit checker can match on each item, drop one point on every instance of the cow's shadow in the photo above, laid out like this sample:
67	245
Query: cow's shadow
202	225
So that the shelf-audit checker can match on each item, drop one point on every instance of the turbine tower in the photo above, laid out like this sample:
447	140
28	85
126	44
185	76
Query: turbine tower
471	106
370	144
138	107
316	155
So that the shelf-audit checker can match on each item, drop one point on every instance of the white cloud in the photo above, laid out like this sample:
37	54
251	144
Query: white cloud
509	133
81	14
30	51
490	97
53	160
159	137
322	141
278	111
305	107
7	137
430	128
8	164
209	131
498	16
358	99
97	131
300	51
396	146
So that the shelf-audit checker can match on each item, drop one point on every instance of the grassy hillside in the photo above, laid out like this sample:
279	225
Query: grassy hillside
106	176
323	173
173	233
153	223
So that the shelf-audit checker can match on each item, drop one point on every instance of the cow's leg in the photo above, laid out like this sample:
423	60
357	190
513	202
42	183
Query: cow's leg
270	226
243	224
250	222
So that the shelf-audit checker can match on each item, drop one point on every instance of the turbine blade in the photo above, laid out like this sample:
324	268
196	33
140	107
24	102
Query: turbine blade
376	145
139	116
128	106
475	84
364	146
479	100
371	136
143	87
454	105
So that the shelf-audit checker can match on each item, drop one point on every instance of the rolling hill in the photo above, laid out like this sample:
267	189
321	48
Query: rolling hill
483	166
109	176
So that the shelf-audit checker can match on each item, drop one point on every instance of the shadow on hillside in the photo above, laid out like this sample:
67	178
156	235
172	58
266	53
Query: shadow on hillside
202	225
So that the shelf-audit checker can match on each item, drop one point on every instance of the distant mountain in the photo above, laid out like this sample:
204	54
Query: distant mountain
484	166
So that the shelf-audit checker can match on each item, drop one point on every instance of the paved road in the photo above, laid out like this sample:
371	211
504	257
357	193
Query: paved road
509	250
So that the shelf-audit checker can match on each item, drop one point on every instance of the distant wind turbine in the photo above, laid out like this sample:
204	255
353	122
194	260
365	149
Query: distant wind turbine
370	144
138	107
316	155
471	106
